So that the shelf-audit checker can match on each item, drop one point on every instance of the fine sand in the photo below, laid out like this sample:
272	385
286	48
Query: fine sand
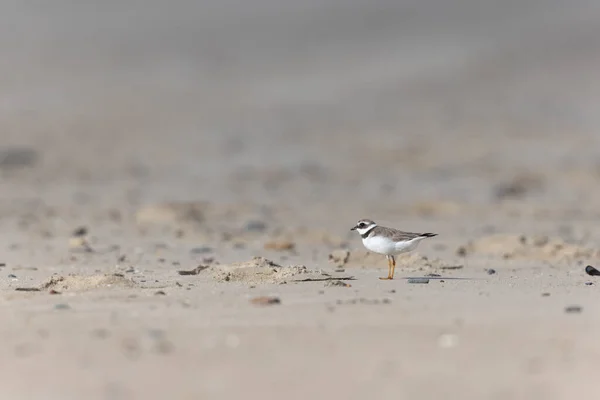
179	182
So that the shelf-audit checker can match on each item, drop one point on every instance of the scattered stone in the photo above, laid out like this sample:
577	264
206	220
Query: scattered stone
62	306
52	291
451	267
12	276
280	245
589	283
256	226
201	250
160	293
490	271
265	300
546	294
337	283
461	251
518	186
573	309
592	271
194	271
433	275
2	265
27	289
79	232
418	280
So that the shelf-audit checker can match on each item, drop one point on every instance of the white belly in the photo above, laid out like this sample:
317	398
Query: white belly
386	246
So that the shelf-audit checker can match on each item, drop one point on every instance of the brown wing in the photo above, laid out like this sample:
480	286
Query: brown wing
397	235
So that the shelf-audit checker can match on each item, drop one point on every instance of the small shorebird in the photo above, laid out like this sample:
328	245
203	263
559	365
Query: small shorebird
388	241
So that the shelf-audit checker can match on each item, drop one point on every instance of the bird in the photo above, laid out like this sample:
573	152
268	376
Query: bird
388	241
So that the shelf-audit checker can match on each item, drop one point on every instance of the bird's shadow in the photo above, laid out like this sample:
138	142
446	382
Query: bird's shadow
442	278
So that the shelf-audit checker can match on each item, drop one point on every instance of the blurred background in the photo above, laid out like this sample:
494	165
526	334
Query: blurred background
328	102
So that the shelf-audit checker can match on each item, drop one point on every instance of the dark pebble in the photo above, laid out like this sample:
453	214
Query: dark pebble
81	231
265	300
12	276
201	250
573	309
545	294
433	275
160	293
490	271
256	226
592	271
418	280
589	283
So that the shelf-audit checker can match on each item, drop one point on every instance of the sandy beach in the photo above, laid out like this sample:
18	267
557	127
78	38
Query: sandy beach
179	182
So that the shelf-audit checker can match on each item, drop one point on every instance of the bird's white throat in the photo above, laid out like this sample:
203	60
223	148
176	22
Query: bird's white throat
366	230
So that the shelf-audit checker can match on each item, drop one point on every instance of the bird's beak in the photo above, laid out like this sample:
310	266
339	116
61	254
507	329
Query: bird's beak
353	228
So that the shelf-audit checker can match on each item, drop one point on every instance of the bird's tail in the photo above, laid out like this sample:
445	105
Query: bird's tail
428	234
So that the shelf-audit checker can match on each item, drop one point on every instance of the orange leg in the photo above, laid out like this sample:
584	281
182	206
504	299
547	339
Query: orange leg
390	269
393	266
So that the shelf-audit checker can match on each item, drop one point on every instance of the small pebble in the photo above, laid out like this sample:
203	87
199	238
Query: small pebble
201	250
418	280
461	251
81	231
546	294
160	293
265	300
589	283
573	309
433	275
62	306
256	226
592	271
490	271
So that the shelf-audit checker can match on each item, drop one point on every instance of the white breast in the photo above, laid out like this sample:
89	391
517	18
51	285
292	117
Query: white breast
384	245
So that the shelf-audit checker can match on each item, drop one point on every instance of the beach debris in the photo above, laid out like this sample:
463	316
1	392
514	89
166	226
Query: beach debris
265	300
337	282
573	309
194	271
418	280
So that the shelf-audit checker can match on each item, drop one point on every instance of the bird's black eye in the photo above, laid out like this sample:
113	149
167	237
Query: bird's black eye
362	225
